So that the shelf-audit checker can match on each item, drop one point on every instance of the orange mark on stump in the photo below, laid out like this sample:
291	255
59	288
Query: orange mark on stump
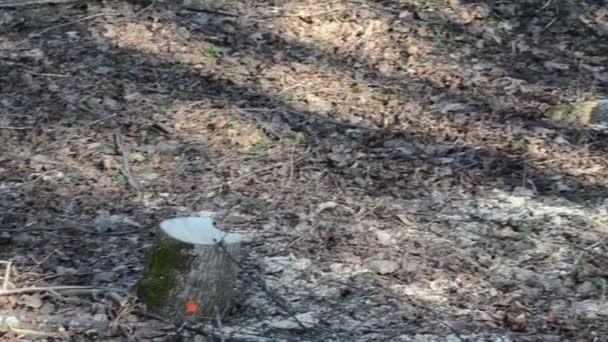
191	306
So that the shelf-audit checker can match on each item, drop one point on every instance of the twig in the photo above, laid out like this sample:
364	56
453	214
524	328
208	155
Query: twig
126	167
7	274
48	289
549	24
80	226
30	332
547	4
101	120
16	127
23	3
46	74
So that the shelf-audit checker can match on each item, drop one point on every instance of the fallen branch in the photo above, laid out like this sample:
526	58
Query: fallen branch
23	3
78	289
16	128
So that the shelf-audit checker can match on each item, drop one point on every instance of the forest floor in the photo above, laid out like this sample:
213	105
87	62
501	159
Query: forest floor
392	161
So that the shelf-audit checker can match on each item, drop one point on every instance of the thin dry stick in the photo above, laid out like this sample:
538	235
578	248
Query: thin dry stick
547	4
549	24
126	167
291	163
46	289
29	332
101	120
46	74
7	274
22	3
16	127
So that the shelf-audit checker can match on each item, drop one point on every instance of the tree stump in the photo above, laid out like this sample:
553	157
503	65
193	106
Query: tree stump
190	271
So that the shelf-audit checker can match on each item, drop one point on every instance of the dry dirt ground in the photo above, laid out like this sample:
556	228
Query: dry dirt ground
391	161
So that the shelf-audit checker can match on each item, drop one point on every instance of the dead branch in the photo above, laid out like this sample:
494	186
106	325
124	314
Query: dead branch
23	3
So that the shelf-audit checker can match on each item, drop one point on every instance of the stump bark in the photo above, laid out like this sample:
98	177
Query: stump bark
190	271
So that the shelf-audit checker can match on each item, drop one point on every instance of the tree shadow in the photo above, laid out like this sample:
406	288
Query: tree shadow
192	86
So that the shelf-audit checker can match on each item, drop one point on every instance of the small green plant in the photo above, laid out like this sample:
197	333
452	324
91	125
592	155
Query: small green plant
439	38
107	149
493	21
93	103
121	180
432	4
600	283
235	125
149	170
468	39
523	232
561	111
73	177
210	52
298	138
261	146
356	88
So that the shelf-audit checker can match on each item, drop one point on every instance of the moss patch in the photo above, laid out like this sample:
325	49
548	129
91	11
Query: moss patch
163	261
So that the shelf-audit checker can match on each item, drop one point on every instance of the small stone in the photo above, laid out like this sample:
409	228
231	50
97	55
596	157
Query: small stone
6	18
318	104
104	277
168	147
201	19
151	176
406	15
64	270
384	238
111	104
586	289
100	317
137	157
32	301
383	266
